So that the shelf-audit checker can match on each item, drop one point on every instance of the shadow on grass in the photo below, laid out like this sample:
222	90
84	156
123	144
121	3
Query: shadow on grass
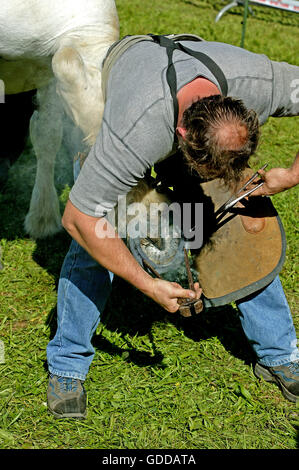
49	252
128	312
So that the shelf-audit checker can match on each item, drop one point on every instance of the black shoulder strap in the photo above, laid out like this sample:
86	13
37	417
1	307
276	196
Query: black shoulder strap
170	46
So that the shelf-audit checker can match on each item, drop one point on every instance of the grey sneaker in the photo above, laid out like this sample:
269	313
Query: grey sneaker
66	397
286	376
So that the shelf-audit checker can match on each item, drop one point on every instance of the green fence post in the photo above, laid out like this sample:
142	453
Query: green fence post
244	22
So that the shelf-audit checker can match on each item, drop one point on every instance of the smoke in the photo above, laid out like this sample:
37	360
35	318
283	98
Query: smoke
72	143
22	173
177	273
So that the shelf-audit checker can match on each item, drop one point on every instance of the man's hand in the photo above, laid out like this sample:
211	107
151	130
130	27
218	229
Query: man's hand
278	179
167	293
275	180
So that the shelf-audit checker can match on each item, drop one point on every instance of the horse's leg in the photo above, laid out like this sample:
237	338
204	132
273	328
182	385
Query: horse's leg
43	218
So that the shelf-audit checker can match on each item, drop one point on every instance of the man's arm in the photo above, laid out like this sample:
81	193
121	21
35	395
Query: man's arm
284	103
278	179
104	245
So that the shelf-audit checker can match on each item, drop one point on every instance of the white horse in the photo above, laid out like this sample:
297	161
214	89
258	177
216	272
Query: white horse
56	47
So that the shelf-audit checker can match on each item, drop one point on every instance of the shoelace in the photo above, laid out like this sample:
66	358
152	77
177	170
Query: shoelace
294	367
67	384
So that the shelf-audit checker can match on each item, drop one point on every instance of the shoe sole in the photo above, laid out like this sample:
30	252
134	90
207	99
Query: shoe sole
67	415
262	373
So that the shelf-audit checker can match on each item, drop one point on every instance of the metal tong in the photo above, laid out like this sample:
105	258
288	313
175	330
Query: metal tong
235	198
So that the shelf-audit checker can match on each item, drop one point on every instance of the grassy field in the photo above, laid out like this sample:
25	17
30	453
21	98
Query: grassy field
158	381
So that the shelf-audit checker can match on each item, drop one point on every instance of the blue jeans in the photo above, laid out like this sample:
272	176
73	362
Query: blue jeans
83	289
268	325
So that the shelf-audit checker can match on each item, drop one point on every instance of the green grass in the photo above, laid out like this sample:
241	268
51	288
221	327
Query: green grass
158	381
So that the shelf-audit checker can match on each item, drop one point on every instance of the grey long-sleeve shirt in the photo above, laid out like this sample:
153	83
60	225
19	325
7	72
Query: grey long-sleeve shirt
137	128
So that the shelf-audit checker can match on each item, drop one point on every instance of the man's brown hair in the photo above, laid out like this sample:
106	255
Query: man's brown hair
206	150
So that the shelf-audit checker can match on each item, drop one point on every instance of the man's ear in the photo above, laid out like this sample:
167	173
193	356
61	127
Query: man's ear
181	131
